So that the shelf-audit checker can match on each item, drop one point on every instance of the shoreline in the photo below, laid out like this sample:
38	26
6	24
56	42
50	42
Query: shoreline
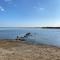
26	42
22	50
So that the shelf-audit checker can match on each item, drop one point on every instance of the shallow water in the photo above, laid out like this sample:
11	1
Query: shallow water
43	36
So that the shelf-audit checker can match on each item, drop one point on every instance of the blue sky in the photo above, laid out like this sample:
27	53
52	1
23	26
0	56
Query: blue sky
29	13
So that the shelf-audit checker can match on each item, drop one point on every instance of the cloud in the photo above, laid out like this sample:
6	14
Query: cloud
2	9
15	5
7	0
34	7
41	8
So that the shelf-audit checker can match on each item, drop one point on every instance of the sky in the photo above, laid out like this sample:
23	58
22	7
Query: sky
29	13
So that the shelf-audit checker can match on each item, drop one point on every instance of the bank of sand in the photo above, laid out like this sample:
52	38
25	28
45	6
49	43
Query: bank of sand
18	50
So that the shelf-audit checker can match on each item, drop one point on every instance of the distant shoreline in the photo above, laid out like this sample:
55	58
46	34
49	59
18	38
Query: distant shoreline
50	27
34	27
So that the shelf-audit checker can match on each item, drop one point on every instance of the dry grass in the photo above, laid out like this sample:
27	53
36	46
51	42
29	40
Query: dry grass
17	50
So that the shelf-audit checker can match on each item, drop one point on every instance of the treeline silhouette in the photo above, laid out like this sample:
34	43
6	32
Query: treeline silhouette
51	27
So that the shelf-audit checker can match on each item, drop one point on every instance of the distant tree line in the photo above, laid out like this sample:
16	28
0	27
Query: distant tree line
51	27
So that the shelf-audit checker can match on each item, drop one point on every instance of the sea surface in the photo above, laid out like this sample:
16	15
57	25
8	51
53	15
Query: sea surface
39	35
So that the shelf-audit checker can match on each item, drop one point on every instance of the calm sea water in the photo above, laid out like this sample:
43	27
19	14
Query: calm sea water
43	36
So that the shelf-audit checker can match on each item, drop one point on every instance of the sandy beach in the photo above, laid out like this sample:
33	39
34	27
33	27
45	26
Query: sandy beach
19	50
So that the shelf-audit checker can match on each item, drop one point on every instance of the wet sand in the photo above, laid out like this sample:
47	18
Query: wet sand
19	50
